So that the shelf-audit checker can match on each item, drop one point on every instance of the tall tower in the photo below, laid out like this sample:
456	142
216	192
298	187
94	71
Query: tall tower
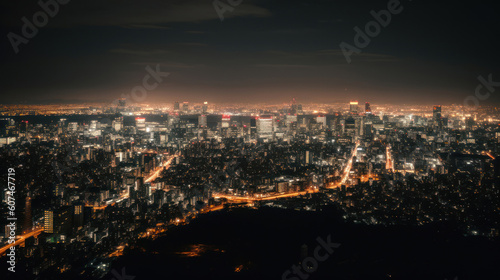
293	106
117	124
48	223
226	121
77	216
436	113
140	124
353	108
265	126
205	107
368	110
436	116
322	120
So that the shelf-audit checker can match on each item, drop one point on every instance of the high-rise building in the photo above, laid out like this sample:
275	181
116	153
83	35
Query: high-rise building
293	107
58	221
61	126
308	157
73	126
140	124
496	164
143	189
185	107
204	108
93	125
436	113
437	117
470	123
290	119
265	126
139	187
226	120
78	216
359	126
368	110
321	119
117	124
48	222
353	108
350	125
202	121
177	107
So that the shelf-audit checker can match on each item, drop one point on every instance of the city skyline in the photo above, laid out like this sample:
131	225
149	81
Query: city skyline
249	139
126	180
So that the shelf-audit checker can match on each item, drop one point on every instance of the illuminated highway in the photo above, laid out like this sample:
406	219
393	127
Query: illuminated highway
154	175
213	208
157	172
347	169
21	240
490	155
271	197
389	164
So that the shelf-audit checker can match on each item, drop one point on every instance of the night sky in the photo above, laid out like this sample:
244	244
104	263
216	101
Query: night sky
263	51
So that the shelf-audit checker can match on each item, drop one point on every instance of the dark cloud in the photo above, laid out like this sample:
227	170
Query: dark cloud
140	14
263	50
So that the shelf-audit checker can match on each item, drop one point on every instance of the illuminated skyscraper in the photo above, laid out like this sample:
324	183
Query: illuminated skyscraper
226	120
293	106
117	124
322	120
353	109
140	124
308	157
78	216
437	117
61	126
350	126
57	221
185	107
205	108
368	110
436	113
73	126
177	107
290	119
265	126
93	125
48	223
